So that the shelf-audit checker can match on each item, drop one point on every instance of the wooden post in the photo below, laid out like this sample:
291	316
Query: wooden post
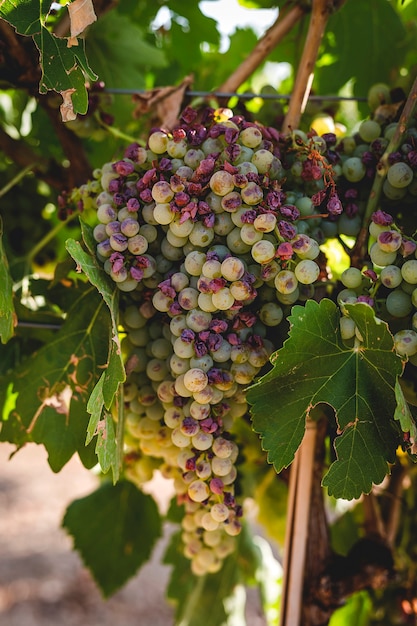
299	500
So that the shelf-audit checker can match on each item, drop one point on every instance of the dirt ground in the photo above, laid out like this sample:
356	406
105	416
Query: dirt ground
42	581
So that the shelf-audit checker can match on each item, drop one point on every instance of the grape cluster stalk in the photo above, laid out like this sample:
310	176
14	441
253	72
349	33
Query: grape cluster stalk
211	233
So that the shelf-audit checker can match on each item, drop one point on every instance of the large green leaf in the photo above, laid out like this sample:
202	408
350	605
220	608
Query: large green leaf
315	366
54	384
356	45
7	312
123	525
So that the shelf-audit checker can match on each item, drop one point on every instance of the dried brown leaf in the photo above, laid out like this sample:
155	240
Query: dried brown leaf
67	108
165	102
81	14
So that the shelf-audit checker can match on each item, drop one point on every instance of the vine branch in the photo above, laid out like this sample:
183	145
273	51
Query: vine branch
319	17
284	23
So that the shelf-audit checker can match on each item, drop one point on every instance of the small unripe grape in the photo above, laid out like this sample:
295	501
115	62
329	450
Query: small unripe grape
369	130
192	158
249	234
221	183
106	214
163	214
198	491
271	314
158	142
202	441
285	281
262	159
201	236
100	233
263	251
252	194
400	175
232	269
265	223
347	328
250	137
195	379
409	272
353	169
405	342
351	278
391	276
381	258
223	299
398	303
219	512
307	271
393	193
137	245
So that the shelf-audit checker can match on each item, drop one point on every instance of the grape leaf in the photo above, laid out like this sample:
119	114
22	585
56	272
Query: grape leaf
119	51
109	449
123	526
54	384
361	30
7	312
64	69
315	366
27	16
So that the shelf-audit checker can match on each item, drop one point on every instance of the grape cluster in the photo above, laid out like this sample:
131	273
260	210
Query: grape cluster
210	238
211	233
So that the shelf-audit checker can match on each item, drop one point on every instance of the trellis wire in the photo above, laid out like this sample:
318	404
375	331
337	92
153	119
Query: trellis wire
242	96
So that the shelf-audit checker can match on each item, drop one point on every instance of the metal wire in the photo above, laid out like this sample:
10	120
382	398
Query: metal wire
242	96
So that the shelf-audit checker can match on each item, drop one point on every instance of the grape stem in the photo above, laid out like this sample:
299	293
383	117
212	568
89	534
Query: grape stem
285	22
16	179
320	14
358	252
118	133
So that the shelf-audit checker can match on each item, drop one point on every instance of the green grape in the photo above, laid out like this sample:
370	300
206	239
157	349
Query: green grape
221	183
285	281
405	342
381	258
250	137
262	159
349	226
307	271
369	130
391	276
399	175
347	328
409	272
158	142
398	303
351	278
393	193
353	169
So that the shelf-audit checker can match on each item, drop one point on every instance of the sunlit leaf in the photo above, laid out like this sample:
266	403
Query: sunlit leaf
315	366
